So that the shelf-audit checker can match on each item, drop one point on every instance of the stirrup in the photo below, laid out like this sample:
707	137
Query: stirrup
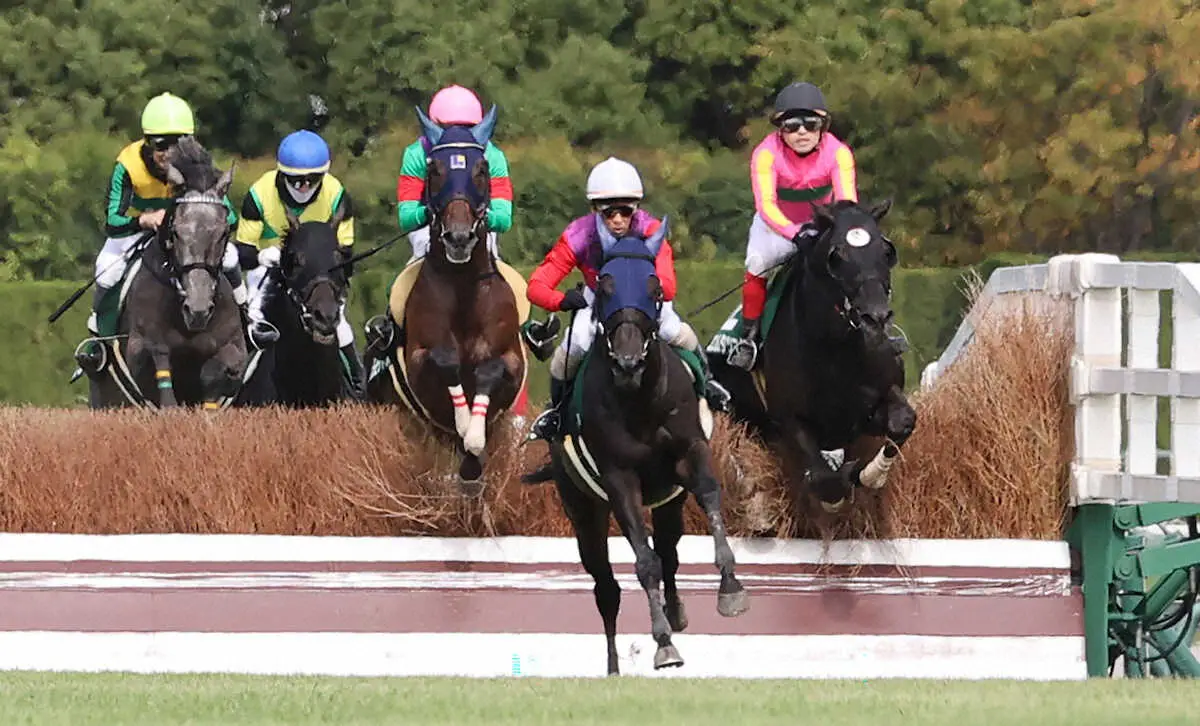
744	355
262	333
92	361
537	430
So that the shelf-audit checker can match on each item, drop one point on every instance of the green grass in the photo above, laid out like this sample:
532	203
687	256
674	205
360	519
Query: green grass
111	699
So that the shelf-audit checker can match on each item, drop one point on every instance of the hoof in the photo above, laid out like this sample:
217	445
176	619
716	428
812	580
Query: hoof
733	604
667	657
470	476
677	616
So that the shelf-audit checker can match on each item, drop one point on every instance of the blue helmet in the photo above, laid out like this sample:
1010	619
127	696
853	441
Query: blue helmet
301	153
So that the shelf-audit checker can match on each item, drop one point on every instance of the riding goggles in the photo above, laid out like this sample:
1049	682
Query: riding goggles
810	123
302	180
162	143
622	208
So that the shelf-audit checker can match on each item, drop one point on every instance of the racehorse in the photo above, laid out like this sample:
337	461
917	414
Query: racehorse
184	332
638	437
304	366
456	358
829	377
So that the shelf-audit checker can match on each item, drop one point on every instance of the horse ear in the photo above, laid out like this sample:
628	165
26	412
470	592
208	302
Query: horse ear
174	176
657	238
482	131
226	181
606	285
292	219
432	131
879	211
822	213
607	240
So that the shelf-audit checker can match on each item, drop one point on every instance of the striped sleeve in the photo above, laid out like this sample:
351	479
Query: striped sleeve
500	211
410	187
120	194
766	197
845	184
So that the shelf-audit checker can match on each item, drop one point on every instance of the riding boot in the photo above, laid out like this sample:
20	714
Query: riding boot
548	425
716	394
355	370
745	352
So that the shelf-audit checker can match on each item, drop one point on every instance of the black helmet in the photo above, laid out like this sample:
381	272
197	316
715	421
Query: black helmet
797	97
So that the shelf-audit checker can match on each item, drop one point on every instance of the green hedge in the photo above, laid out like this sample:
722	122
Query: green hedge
929	304
39	355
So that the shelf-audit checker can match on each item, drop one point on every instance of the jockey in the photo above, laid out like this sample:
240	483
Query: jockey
614	189
451	105
138	197
790	169
302	183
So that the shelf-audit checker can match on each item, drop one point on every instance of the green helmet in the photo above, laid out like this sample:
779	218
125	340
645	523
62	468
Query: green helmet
167	114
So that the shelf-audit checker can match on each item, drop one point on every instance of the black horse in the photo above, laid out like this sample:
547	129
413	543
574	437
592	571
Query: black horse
829	377
645	444
304	367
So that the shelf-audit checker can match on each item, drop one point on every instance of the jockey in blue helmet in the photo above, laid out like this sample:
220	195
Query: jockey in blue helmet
302	183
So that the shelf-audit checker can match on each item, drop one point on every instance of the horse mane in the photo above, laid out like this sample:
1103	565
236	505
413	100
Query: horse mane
195	164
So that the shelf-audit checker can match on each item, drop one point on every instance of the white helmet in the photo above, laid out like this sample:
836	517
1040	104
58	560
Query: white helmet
614	179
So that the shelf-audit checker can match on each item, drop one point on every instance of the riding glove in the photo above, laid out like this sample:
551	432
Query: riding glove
269	256
573	300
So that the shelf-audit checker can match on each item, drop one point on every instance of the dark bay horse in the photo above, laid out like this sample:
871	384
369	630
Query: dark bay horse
640	425
185	334
304	367
460	361
829	377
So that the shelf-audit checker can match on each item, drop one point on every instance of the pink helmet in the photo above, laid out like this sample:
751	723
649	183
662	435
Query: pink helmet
455	105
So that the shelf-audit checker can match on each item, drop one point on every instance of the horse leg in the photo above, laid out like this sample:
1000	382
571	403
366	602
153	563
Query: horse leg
901	421
221	375
161	356
831	488
731	596
625	496
590	522
668	528
487	375
445	359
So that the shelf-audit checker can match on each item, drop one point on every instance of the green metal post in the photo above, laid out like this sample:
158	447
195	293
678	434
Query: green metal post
1096	541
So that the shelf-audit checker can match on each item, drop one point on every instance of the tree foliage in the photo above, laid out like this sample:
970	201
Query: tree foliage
995	125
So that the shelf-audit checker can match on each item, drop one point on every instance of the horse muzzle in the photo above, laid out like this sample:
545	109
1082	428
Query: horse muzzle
196	320
322	328
628	371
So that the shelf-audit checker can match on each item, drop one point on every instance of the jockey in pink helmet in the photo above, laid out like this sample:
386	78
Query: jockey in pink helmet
453	105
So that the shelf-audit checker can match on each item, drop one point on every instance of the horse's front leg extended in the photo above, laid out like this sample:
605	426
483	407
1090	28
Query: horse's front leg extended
161	356
731	596
445	358
625	497
829	486
487	375
901	421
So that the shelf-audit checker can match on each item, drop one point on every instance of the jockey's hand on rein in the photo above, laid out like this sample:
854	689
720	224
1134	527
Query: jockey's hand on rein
572	300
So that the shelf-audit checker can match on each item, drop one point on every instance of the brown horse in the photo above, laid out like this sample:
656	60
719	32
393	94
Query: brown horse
456	359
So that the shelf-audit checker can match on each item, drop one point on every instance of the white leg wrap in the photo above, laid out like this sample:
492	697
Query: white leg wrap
476	437
462	414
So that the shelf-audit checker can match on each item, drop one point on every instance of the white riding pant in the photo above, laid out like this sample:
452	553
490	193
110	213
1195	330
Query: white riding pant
255	280
582	332
766	248
419	239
